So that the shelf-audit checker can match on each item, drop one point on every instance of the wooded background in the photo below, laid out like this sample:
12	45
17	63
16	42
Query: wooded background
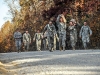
34	14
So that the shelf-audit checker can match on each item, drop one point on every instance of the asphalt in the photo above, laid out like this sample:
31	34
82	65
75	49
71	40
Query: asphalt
69	62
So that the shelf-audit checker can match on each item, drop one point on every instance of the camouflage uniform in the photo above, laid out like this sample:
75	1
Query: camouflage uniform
51	32
38	37
17	37
61	31
85	33
26	40
73	36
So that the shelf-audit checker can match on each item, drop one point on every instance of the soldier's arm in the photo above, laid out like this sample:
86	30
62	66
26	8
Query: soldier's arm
65	25
71	28
42	35
14	35
90	31
45	28
80	34
57	21
20	35
23	37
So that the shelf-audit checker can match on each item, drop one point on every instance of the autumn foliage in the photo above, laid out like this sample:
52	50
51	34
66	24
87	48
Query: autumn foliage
35	14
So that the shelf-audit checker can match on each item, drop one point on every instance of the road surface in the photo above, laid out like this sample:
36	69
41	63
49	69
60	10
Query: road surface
69	62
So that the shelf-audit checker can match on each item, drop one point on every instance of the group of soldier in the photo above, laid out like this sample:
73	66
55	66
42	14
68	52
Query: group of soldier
50	35
26	38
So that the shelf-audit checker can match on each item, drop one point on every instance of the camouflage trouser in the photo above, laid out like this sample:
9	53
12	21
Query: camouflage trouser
73	41
62	39
26	45
85	41
50	42
45	42
38	44
18	44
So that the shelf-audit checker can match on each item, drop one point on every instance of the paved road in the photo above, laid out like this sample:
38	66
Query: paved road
69	62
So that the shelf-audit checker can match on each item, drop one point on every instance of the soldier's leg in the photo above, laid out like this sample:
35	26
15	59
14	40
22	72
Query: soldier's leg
44	44
39	45
19	46
49	43
84	40
88	42
72	44
16	44
72	40
27	46
63	41
84	45
60	42
54	42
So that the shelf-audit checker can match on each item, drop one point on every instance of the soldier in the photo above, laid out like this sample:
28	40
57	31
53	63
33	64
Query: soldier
85	34
61	24
50	28
56	38
17	37
73	34
38	36
77	27
62	33
26	40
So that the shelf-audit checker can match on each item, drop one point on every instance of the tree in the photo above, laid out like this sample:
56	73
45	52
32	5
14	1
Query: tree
35	14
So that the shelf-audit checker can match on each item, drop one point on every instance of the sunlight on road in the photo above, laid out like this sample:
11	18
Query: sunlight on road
55	63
